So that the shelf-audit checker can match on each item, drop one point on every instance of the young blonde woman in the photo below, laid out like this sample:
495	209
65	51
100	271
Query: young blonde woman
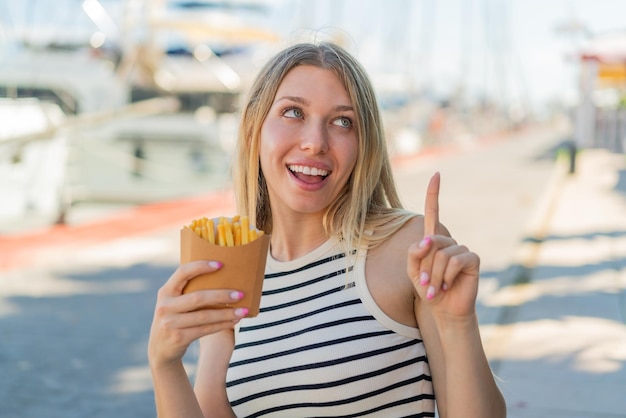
367	309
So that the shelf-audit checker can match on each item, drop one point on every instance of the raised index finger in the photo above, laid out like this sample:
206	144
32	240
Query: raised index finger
431	210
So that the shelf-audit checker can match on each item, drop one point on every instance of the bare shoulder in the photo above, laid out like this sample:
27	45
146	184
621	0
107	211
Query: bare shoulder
412	231
386	272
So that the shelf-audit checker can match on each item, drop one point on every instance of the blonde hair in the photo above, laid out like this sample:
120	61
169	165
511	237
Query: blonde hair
369	201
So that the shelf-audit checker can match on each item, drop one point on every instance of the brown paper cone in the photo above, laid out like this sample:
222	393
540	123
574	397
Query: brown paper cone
243	267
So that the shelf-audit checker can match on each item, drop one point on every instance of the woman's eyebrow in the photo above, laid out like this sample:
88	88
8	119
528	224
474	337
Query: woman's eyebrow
296	99
303	101
344	108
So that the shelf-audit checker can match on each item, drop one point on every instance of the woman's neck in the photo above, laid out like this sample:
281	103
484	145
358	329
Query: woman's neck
292	238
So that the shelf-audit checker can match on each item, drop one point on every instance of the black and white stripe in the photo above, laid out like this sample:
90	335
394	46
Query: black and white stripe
315	349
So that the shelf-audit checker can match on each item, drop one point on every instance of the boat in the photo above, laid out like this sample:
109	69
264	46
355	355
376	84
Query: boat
143	112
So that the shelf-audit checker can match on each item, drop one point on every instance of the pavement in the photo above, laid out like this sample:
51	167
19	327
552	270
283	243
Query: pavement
559	344
76	301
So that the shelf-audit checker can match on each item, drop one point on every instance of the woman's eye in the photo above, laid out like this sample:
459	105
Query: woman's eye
343	122
293	113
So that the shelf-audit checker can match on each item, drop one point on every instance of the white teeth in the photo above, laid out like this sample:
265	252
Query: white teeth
309	171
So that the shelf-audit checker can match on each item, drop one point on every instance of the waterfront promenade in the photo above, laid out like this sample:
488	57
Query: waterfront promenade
76	301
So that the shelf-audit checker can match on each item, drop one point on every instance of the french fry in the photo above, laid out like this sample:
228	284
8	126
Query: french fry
230	232
237	233
245	228
211	230
221	234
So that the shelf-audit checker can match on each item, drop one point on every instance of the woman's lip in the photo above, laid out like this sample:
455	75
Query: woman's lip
307	186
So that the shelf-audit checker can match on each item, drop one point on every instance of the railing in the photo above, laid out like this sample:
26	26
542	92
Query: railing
85	121
610	129
598	127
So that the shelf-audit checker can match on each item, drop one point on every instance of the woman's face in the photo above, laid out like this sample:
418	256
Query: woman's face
308	142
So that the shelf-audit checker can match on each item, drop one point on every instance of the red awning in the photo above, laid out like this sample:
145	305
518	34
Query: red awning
609	48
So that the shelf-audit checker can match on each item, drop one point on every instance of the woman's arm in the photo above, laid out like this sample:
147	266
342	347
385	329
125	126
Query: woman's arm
173	393
445	277
179	319
210	386
463	382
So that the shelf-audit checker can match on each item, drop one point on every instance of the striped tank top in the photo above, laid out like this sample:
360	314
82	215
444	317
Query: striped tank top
321	347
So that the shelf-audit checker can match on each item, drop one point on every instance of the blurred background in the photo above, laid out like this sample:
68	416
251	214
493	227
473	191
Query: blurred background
108	103
117	125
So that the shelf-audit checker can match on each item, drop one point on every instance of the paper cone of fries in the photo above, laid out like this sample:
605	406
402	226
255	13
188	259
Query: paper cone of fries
243	267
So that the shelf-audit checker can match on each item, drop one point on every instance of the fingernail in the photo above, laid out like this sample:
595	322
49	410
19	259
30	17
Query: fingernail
424	278
430	293
424	242
241	312
236	295
215	264
444	287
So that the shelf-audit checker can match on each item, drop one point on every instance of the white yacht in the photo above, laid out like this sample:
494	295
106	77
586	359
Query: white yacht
88	110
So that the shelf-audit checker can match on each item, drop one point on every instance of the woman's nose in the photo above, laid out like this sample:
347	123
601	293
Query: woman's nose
315	138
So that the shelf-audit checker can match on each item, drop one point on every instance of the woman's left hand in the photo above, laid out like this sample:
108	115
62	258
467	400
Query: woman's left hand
444	273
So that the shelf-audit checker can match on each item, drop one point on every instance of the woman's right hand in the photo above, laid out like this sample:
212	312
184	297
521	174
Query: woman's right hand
179	319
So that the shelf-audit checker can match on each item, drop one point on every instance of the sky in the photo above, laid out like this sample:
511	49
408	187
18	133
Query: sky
506	50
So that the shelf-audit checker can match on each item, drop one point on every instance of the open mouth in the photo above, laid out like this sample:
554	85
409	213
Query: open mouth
308	174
